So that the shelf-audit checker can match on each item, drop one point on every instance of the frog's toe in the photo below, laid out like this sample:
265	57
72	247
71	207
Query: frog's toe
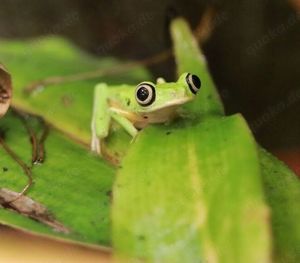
96	145
133	138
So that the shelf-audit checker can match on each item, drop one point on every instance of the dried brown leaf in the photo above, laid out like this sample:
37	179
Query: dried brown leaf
5	90
30	208
295	4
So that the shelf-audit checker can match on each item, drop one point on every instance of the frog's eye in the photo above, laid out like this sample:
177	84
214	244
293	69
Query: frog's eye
194	82
145	94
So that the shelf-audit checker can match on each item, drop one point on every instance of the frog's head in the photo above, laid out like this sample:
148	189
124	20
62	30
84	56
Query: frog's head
153	97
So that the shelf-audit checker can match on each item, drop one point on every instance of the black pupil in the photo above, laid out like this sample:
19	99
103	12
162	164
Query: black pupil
142	93
196	81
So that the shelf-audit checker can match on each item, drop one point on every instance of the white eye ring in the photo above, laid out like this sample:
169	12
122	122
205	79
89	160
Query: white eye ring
194	83
145	94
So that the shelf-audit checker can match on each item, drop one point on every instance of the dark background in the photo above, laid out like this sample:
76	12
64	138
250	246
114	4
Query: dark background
253	52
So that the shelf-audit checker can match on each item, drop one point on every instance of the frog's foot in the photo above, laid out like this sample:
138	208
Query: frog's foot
133	138
96	144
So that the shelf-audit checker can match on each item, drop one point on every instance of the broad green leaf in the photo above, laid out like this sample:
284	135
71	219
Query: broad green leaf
73	184
191	191
282	188
194	196
67	106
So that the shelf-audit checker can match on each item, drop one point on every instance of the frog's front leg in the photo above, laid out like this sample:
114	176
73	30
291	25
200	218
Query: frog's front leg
125	123
101	117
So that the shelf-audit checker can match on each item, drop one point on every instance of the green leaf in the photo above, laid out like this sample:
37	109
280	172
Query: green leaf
191	191
72	184
282	188
195	195
190	59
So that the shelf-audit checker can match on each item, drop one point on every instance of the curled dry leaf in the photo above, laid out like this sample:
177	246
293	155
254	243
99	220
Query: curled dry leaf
5	90
30	208
206	25
296	5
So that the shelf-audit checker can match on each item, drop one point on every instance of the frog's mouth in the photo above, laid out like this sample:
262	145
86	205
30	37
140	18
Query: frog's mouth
171	104
153	115
160	114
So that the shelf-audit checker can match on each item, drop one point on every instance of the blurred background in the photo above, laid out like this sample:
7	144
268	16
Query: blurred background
253	51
